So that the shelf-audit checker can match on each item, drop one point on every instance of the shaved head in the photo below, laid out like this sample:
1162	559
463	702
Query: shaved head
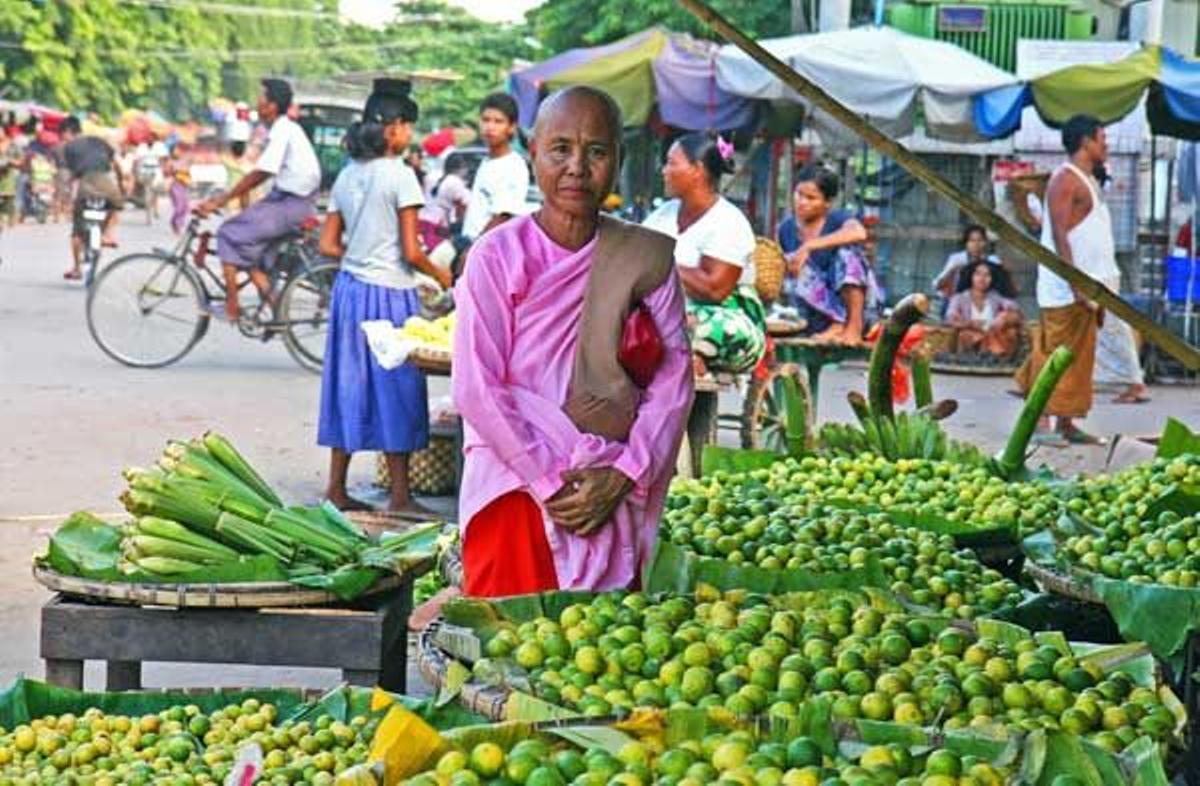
569	100
576	150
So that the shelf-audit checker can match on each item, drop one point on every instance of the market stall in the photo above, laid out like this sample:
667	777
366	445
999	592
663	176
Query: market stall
653	72
877	72
213	567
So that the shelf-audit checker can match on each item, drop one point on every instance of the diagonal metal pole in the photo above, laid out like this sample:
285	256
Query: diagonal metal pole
1185	353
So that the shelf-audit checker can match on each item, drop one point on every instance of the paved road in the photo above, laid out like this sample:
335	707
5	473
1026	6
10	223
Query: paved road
70	419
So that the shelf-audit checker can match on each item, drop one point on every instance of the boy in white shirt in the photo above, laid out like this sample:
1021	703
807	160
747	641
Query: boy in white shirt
502	181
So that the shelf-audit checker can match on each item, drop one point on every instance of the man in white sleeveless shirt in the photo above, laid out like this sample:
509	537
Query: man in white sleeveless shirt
1078	228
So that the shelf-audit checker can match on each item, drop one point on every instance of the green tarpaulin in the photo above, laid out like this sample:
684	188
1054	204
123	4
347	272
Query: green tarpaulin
627	76
1108	91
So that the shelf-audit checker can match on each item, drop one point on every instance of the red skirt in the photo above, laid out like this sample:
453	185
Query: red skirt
505	551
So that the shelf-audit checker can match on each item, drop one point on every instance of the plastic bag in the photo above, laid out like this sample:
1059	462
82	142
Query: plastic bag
387	345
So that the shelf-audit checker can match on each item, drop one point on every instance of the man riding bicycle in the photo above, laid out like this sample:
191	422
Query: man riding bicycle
289	158
92	164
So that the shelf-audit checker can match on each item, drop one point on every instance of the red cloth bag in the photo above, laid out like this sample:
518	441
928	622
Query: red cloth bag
641	351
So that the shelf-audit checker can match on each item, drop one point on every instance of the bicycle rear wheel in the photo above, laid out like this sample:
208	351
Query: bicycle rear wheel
146	310
304	311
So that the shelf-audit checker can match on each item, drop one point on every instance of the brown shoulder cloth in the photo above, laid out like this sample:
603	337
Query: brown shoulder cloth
629	262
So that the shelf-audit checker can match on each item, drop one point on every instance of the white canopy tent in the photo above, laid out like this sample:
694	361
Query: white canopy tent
878	72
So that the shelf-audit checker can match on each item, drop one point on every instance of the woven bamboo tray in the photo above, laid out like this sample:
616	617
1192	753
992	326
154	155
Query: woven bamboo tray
785	328
967	370
243	595
431	361
1068	586
433	663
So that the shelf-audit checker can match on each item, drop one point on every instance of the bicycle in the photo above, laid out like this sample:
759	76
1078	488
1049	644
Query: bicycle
148	310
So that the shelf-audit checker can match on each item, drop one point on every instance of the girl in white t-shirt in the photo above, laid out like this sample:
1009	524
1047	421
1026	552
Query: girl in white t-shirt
713	249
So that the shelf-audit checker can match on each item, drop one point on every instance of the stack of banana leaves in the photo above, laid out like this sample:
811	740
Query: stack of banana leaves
205	514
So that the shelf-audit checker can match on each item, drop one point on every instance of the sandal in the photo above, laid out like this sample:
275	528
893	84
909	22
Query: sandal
1131	398
1080	437
72	275
1050	439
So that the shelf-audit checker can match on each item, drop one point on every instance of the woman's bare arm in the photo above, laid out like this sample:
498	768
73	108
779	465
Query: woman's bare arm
710	282
330	243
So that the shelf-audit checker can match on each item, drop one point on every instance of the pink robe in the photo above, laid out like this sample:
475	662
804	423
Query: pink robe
518	312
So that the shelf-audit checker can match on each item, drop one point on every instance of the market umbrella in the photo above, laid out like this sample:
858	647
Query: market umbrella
1169	81
878	72
655	69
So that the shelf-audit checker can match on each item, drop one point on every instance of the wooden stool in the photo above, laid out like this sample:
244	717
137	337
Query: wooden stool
369	643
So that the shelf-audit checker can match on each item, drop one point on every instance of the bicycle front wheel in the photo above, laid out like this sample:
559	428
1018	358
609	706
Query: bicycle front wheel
146	310
304	311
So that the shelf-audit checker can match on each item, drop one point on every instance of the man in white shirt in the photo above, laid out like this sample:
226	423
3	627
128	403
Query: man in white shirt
502	181
290	159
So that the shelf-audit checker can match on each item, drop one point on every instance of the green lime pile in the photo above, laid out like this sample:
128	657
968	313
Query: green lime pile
1125	498
178	746
1163	551
754	655
925	568
733	758
967	497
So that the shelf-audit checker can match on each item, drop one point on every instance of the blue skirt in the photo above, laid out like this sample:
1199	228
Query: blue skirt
364	406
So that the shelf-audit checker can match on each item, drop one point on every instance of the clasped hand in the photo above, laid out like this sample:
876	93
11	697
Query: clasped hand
797	259
588	498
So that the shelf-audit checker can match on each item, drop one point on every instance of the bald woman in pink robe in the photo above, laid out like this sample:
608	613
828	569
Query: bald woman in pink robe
545	504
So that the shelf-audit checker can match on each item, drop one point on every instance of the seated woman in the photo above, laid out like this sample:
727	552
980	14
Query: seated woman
974	242
829	280
713	248
986	317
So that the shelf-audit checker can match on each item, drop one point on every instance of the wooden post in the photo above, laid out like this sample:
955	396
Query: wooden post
772	216
1186	354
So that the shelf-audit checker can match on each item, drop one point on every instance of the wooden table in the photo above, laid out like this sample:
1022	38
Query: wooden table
814	356
367	641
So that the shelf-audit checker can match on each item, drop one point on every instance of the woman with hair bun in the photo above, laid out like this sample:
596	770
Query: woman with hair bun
713	247
829	280
372	228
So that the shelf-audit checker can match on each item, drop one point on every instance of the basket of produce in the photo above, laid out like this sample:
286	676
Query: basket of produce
697	747
938	338
770	267
431	342
1020	188
433	471
1069	586
1132	542
982	364
429	359
596	655
826	547
423	342
204	525
230	595
192	736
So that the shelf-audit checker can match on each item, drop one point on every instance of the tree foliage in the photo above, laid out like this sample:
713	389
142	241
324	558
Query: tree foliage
564	24
105	56
441	36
